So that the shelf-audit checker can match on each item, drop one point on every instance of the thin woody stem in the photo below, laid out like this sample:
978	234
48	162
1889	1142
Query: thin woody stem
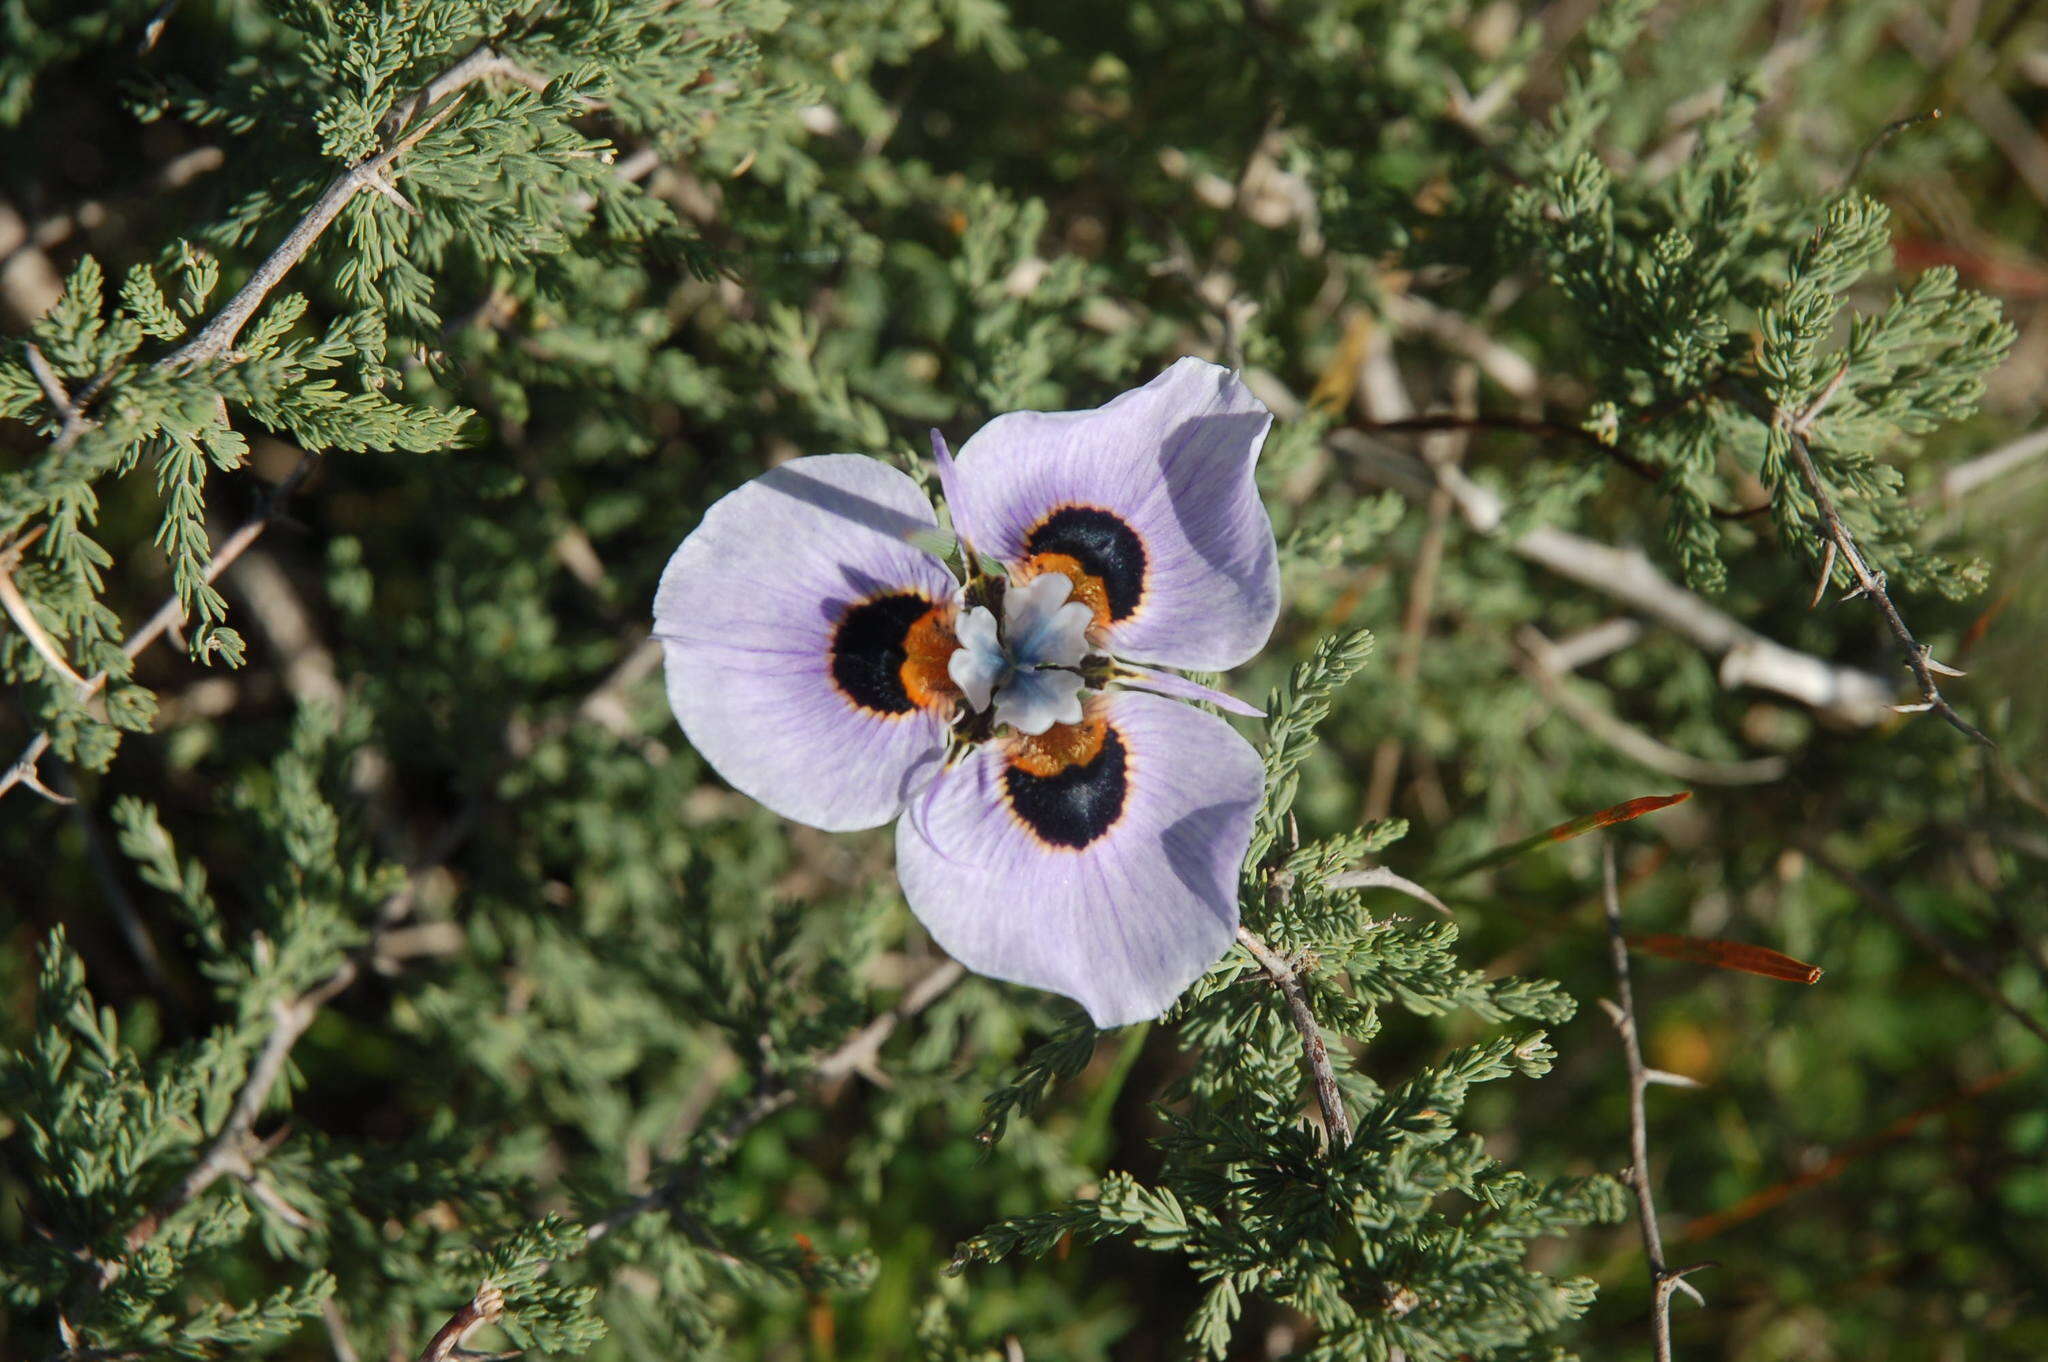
1552	430
23	769
218	336
1877	897
853	1055
1664	1280
1313	1048
1838	537
1872	585
483	1308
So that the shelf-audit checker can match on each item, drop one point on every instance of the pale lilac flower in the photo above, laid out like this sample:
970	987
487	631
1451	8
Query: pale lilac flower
1065	823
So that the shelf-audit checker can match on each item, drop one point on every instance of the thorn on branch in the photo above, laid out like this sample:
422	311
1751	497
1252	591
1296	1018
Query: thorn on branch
1869	581
1827	574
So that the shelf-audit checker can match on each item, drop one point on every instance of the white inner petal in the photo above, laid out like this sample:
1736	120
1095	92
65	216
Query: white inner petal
978	666
1035	700
1021	665
1044	627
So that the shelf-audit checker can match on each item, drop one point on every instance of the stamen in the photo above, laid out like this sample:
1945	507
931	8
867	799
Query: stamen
926	647
1059	747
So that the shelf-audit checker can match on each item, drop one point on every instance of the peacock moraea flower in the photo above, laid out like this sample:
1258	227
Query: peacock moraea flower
1064	821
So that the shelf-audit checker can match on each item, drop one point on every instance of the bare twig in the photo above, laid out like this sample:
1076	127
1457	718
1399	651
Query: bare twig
1665	1280
1313	1048
1878	139
1628	576
1985	101
1869	582
1554	430
125	915
336	1323
229	1151
483	1308
1967	477
1758	1202
1637	746
1587	646
218	336
23	770
1429	554
856	1054
1894	912
24	618
438	98
47	380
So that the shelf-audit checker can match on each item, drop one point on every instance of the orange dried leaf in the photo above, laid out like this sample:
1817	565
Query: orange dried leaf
1732	955
1623	812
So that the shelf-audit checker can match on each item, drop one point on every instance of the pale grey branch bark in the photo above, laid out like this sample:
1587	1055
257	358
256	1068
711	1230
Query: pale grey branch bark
1550	677
1747	658
1967	477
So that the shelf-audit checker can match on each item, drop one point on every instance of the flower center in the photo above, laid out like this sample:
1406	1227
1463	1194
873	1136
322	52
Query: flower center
1089	589
1024	665
926	647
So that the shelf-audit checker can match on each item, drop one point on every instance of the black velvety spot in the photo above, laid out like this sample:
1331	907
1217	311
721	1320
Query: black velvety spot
1076	806
868	653
1103	545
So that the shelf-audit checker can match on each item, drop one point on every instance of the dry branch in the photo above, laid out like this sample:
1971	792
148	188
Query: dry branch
1628	576
854	1055
1939	951
483	1308
1972	474
1549	677
167	616
1664	1279
218	336
1869	582
1313	1048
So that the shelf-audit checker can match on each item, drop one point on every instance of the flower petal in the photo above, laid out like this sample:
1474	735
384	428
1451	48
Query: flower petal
1034	699
1153	495
1109	875
979	666
804	639
1180	688
1046	629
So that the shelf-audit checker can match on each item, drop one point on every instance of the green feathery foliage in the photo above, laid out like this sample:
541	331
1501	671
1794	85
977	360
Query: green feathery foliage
398	965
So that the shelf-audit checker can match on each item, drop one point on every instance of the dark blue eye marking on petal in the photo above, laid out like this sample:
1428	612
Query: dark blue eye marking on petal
1076	805
868	651
1103	544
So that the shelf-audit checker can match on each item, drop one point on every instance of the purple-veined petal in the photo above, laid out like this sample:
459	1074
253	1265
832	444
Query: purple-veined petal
778	616
1113	881
949	472
1180	688
1153	495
